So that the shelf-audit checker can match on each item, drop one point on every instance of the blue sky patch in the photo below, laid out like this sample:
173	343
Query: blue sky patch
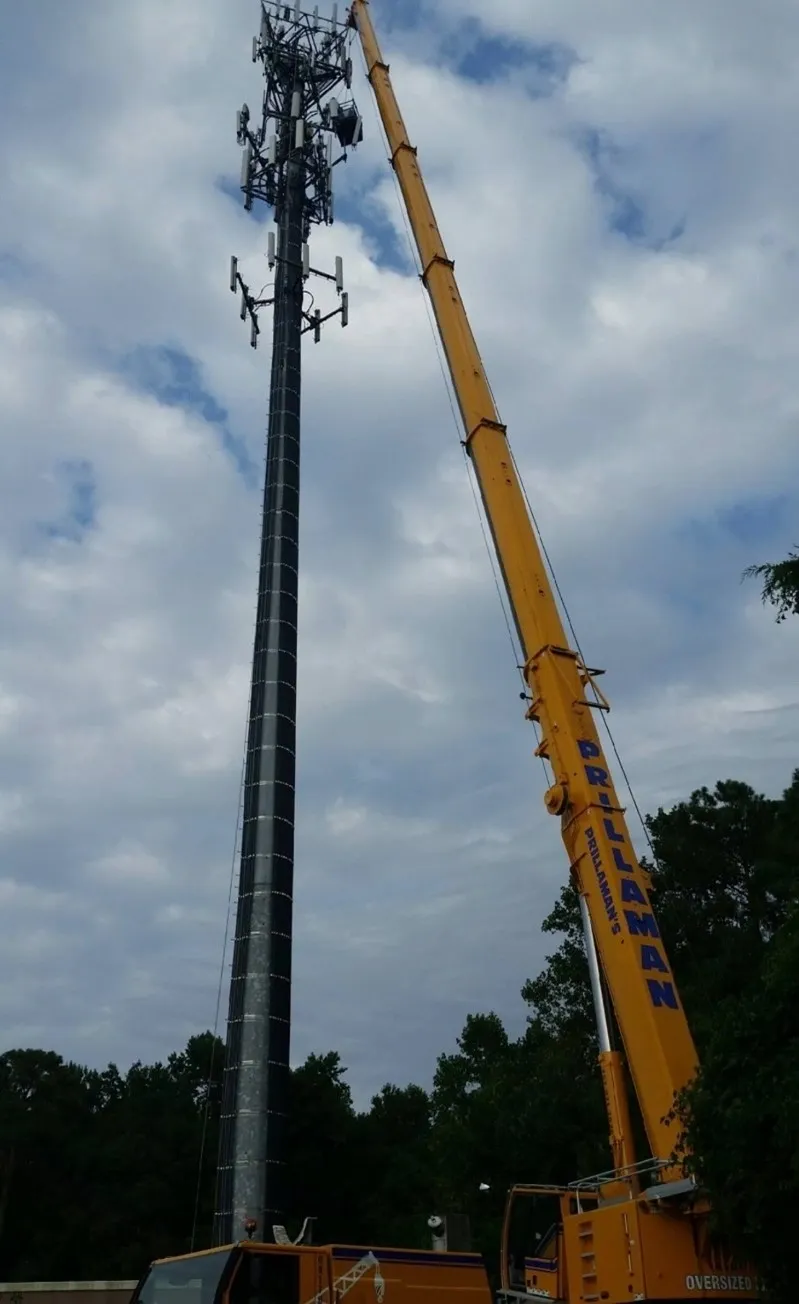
626	211
755	520
708	555
405	13
175	379
229	186
12	268
488	58
81	509
484	58
356	207
753	523
390	250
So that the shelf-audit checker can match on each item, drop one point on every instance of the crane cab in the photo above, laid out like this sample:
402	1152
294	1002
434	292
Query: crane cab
615	1239
252	1272
532	1245
235	1274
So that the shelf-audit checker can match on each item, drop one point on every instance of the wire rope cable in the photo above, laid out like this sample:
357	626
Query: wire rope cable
449	392
220	985
481	511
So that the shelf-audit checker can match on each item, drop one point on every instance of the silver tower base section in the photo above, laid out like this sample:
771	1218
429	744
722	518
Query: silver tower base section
288	164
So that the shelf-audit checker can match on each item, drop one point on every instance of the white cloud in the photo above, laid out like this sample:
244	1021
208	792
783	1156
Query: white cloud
129	864
651	400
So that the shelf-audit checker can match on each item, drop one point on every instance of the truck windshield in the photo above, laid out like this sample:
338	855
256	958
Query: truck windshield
184	1281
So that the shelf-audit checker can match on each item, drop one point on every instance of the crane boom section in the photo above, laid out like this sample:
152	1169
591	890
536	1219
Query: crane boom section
657	1041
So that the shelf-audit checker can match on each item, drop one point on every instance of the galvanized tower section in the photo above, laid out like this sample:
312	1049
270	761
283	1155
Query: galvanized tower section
288	164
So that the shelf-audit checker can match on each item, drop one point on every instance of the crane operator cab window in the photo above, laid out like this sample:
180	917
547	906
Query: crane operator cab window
532	1238
267	1278
194	1280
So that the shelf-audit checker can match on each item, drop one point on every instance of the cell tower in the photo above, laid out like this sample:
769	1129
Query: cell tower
287	164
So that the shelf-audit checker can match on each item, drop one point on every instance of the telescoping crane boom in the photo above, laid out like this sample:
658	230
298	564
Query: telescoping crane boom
618	1238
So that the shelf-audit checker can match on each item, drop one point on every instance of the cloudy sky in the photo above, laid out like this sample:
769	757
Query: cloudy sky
618	185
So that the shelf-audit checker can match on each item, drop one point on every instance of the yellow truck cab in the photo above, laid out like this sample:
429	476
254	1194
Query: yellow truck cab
250	1272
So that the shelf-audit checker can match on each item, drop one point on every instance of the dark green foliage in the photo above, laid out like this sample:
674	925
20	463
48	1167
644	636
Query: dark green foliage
722	886
395	1186
99	1170
320	1145
780	584
47	1109
741	1114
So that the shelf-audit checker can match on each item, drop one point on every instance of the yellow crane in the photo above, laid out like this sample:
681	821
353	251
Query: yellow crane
640	1231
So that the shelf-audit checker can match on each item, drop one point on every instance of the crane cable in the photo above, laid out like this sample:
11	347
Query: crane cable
220	984
504	604
447	381
572	630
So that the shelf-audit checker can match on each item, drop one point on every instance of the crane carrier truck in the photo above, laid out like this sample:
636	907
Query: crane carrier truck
640	1231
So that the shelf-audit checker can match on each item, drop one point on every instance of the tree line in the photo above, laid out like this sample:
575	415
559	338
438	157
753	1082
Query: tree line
101	1171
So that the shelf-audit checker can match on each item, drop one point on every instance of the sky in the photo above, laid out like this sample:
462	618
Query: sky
617	186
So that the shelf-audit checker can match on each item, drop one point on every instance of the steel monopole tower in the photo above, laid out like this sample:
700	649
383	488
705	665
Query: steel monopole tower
302	132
